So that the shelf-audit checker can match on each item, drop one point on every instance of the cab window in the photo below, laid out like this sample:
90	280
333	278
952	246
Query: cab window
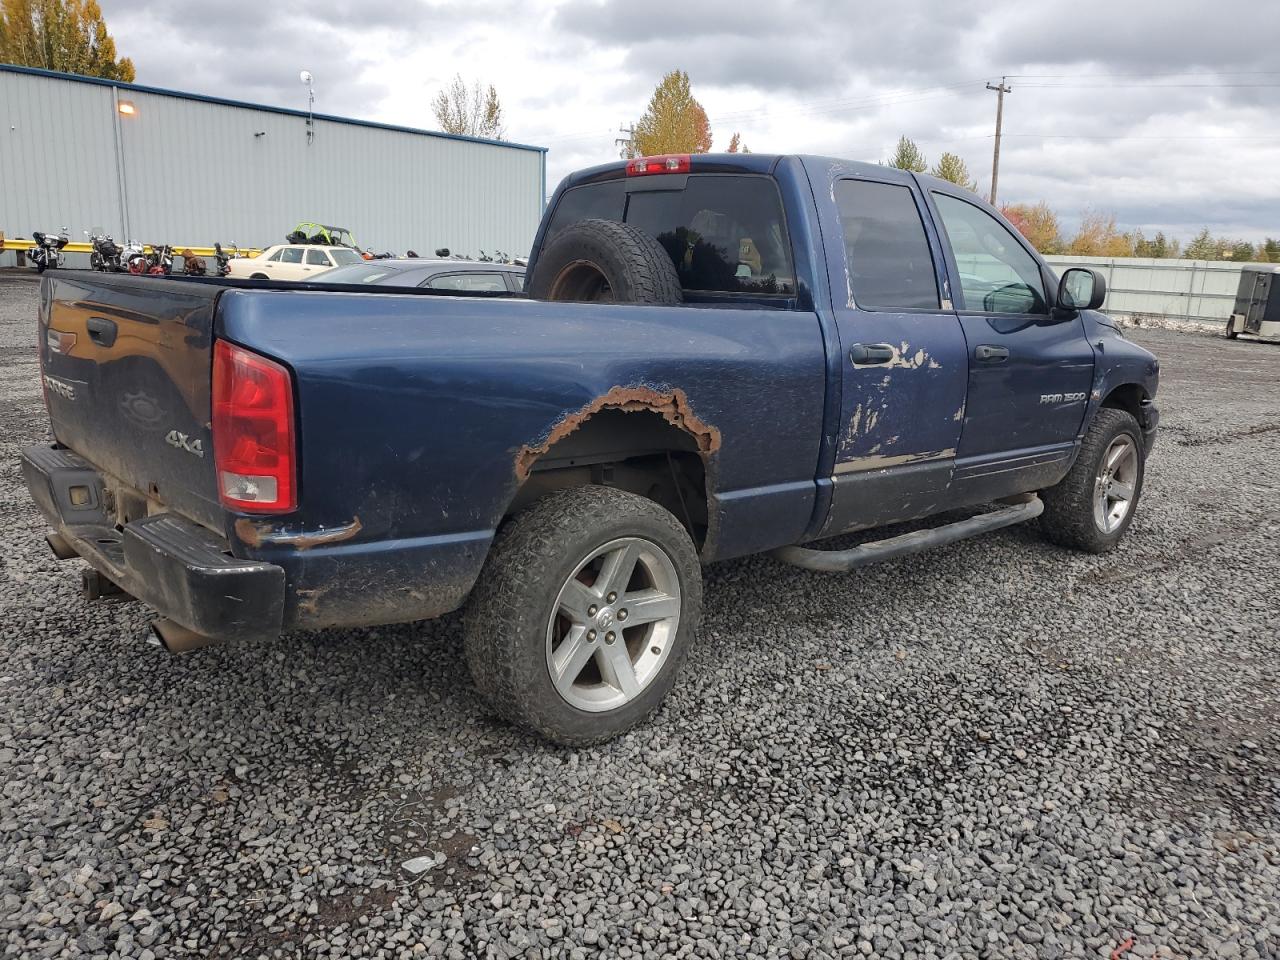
275	257
997	274
890	266
291	255
318	258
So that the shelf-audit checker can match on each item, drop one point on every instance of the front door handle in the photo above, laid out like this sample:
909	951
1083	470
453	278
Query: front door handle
989	354
861	353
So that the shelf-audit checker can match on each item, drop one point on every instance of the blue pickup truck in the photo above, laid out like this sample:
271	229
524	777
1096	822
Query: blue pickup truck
713	356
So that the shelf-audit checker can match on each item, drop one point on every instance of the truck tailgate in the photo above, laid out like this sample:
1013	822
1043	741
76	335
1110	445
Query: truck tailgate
127	364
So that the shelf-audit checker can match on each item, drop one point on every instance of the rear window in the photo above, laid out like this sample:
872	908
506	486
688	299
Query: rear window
724	233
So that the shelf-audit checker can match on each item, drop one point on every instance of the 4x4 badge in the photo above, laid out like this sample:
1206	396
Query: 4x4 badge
176	438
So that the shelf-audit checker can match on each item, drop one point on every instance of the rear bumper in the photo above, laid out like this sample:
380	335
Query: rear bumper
181	569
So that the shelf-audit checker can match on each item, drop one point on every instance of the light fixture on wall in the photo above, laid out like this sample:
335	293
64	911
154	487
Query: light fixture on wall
305	77
260	133
126	108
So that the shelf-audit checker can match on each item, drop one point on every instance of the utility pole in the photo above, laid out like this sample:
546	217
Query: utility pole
1000	90
626	144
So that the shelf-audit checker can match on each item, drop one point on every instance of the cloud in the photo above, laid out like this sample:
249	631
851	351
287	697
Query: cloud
1153	110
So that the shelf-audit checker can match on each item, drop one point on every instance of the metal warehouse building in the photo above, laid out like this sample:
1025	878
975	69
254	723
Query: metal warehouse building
160	166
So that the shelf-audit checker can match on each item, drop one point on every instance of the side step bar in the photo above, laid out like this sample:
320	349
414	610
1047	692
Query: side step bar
839	561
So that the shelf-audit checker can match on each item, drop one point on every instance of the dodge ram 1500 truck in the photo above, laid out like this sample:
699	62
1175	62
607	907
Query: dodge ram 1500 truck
716	355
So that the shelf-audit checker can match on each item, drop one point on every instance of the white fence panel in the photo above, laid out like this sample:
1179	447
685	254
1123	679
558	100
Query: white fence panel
1186	289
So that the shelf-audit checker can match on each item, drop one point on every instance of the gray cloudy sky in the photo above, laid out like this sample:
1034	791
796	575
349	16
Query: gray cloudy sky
1161	112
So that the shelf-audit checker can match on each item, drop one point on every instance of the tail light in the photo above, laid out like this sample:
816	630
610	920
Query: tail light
254	447
668	163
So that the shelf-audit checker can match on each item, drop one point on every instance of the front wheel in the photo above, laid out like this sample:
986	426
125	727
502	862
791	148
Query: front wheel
584	612
1092	507
1231	332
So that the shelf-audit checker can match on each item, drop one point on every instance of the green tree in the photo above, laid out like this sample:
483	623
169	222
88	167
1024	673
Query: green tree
952	168
1241	251
469	111
674	121
1038	223
1271	250
907	156
69	36
1204	247
1157	246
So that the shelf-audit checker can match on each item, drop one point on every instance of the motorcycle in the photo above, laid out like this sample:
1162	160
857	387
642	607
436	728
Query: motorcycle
224	259
47	253
135	258
106	252
193	266
160	260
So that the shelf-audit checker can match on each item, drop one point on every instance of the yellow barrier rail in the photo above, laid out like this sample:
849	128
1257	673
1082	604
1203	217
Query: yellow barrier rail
19	245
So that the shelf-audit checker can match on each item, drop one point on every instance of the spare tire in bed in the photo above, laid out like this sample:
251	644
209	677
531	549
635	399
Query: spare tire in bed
604	261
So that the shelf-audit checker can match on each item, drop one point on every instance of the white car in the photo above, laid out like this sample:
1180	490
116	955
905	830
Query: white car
292	261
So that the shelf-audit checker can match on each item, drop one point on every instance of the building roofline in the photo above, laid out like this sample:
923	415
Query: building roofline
286	111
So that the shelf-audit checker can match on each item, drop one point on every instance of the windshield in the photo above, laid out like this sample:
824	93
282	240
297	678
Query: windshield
724	233
341	257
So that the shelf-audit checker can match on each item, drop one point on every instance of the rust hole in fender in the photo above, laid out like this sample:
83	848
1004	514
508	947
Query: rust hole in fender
673	406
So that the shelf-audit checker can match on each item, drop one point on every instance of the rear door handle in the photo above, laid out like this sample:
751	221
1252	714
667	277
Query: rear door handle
101	331
989	354
861	353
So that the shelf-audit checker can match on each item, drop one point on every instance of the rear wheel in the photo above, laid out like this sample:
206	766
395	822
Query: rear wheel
583	614
258	276
1092	507
1231	332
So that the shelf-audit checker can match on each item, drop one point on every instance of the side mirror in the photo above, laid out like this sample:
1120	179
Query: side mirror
1081	289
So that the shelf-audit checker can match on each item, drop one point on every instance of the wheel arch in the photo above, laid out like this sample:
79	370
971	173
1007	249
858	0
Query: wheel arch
1129	397
645	441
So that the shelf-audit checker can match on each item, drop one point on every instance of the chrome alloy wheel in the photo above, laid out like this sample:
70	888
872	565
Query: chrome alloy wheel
1116	483
613	625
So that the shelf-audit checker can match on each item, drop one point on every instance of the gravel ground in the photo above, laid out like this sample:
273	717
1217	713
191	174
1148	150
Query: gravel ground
998	749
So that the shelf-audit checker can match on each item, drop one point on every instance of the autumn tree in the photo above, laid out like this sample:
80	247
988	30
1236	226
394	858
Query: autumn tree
674	121
470	111
1038	223
1099	236
908	157
736	145
69	36
952	168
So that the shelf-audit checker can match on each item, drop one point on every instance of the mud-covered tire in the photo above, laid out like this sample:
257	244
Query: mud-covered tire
1070	518
510	612
601	260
